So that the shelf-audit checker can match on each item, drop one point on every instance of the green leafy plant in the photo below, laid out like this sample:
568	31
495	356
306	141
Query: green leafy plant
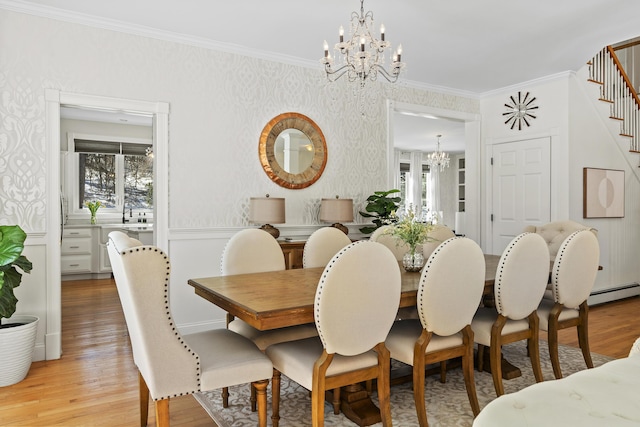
12	239
93	206
382	209
411	231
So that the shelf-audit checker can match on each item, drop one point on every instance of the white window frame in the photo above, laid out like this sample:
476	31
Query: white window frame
72	172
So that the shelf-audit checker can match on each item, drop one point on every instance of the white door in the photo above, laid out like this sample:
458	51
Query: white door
521	188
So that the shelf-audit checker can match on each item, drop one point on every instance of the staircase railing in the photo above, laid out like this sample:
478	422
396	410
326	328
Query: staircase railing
616	89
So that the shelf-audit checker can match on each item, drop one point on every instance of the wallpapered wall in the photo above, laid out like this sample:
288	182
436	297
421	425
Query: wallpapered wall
219	103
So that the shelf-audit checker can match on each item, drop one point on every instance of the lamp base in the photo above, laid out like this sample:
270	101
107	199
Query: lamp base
271	230
340	227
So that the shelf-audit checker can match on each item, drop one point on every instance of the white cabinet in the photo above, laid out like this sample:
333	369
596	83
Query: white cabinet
76	251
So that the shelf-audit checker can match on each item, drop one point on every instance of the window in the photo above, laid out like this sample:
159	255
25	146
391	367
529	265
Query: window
118	174
409	193
405	178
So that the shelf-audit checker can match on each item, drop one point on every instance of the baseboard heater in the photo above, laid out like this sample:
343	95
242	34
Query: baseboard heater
612	294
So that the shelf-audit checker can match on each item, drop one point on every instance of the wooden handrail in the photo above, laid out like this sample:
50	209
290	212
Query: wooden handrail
623	74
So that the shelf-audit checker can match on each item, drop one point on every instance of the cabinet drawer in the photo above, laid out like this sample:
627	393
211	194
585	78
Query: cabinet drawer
76	246
76	264
76	232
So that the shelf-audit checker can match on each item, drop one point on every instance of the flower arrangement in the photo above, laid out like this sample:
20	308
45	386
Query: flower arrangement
93	208
411	230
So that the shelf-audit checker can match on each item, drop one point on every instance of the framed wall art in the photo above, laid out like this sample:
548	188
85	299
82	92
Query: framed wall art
603	193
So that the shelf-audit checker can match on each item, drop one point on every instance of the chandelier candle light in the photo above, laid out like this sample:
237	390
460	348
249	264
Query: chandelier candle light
438	159
363	56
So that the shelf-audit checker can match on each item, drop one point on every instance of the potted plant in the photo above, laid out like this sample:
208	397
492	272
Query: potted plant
413	232
382	209
17	333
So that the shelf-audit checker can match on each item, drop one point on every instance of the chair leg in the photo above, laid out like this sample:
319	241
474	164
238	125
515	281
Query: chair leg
534	348
275	398
384	384
252	399
480	356
162	413
261	393
144	400
552	335
443	371
495	354
225	397
419	352
336	401
467	370
583	334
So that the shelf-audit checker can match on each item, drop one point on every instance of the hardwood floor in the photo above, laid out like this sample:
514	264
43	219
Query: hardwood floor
95	382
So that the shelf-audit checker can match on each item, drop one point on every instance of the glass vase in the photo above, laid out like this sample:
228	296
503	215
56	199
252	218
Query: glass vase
94	220
413	261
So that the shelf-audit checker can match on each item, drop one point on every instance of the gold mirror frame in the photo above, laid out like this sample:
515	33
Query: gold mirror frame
266	151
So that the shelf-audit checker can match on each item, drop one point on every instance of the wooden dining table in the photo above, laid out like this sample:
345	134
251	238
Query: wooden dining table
278	299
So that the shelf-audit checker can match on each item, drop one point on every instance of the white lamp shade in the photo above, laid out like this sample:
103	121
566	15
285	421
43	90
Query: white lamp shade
266	210
336	210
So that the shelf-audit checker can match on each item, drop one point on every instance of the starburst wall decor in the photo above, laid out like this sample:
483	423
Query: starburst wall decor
519	111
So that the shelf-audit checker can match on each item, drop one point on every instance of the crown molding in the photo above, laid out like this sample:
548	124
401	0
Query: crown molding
534	82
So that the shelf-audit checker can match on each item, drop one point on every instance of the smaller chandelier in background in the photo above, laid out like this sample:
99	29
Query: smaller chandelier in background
363	56
438	159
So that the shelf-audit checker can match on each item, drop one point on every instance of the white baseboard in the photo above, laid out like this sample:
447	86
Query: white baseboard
192	328
620	292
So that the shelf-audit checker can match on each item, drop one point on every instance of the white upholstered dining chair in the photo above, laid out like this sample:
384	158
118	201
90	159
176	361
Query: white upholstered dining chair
171	364
355	305
448	297
555	232
322	245
572	278
521	278
254	250
396	245
439	234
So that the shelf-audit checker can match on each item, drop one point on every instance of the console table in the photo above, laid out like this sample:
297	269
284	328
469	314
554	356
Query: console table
292	250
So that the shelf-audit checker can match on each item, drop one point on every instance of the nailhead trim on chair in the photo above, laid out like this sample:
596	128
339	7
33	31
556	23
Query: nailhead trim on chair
430	260
497	290
168	312
559	258
323	278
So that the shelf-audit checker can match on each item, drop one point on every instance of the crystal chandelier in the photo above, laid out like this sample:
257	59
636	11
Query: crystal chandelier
438	159
363	57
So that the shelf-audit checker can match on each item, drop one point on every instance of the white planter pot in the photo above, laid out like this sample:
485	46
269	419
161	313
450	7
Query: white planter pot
16	349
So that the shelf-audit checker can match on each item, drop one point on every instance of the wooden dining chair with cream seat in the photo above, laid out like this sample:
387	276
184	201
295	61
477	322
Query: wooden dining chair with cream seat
171	364
521	279
322	245
397	246
448	297
254	250
355	305
439	234
572	278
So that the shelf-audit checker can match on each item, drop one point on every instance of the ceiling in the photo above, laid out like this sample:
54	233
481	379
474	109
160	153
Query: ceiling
468	47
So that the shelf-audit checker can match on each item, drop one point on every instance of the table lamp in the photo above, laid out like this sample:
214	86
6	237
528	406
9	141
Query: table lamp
337	211
267	210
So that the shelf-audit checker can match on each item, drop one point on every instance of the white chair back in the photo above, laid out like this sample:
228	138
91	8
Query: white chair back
575	268
397	246
439	234
554	233
163	358
251	251
322	245
451	286
522	276
361	282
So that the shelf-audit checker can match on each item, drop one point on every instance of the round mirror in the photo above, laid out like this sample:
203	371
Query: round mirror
292	150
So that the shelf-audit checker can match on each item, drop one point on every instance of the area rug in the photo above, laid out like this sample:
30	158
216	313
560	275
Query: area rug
447	404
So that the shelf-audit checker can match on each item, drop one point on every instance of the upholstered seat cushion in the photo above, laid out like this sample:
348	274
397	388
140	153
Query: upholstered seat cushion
543	313
227	359
297	360
483	321
264	339
404	335
604	396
